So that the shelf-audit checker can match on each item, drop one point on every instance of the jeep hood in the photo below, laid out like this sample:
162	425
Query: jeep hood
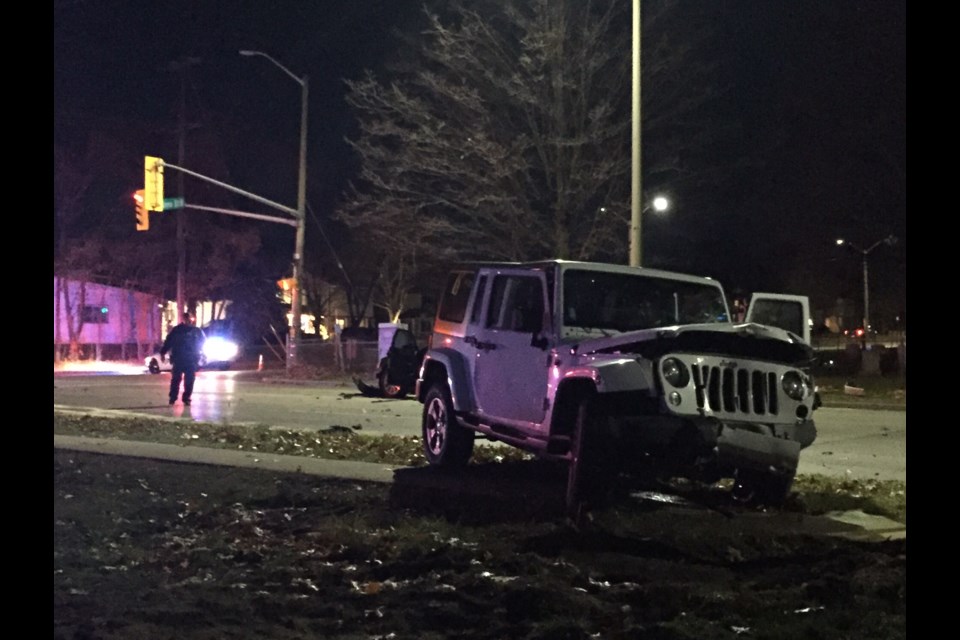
749	340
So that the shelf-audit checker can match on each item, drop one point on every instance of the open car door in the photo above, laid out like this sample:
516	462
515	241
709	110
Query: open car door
788	312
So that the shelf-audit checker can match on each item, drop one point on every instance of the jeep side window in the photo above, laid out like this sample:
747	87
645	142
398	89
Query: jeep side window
516	304
453	306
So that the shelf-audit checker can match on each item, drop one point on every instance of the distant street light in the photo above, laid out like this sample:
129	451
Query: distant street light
890	241
295	290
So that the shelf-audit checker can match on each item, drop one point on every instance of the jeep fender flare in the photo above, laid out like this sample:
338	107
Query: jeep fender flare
570	393
448	365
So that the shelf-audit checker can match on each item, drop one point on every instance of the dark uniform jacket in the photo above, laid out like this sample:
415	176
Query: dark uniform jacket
185	345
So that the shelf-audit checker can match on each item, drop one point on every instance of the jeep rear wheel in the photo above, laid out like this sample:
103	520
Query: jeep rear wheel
445	442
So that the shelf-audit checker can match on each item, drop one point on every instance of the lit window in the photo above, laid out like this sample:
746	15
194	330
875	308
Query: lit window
93	314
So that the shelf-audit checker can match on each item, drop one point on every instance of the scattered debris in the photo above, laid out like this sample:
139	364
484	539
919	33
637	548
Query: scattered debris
850	390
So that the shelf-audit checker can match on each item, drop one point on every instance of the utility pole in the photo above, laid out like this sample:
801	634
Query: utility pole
181	228
182	66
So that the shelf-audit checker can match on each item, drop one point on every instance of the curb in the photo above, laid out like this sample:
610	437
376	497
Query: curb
349	469
444	488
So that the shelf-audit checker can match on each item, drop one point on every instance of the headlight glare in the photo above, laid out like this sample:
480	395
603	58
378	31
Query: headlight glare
675	372
218	349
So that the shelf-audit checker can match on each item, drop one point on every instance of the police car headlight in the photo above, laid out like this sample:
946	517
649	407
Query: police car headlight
218	349
675	372
794	385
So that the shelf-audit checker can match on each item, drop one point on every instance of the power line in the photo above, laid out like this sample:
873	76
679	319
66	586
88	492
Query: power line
329	245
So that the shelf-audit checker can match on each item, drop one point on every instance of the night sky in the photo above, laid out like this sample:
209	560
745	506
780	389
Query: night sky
819	91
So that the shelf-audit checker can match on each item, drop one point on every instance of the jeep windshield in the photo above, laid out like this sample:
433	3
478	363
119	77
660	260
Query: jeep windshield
607	303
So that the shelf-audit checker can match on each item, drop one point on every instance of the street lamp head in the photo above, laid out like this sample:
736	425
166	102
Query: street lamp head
840	242
302	81
658	204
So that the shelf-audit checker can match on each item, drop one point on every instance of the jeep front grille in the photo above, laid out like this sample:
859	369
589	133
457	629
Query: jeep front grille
739	391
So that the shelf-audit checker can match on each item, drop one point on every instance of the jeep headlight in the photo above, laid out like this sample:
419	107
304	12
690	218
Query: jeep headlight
675	372
794	385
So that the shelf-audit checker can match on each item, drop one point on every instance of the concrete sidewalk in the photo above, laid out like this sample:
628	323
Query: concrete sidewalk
474	486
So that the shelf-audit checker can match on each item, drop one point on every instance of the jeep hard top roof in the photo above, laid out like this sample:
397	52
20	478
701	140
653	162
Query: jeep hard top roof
589	266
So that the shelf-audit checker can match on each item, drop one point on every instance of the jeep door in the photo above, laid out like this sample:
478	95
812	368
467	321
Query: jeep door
788	312
510	370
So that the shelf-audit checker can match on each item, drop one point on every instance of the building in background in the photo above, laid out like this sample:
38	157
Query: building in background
103	322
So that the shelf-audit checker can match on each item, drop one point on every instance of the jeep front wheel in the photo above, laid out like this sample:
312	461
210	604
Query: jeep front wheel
761	489
445	442
593	465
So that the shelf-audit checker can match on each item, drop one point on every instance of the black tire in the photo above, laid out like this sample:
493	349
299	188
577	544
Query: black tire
592	469
445	442
762	489
154	366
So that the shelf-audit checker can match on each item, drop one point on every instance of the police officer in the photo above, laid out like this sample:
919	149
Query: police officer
185	345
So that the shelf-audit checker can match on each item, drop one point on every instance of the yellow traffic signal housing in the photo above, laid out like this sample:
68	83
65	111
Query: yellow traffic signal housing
143	215
153	183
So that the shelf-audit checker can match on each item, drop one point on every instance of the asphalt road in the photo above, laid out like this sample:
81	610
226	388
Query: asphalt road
857	443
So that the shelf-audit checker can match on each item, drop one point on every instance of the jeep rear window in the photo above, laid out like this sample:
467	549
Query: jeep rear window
453	306
626	302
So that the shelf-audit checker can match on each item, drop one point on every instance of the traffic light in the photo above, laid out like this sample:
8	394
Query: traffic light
143	215
153	183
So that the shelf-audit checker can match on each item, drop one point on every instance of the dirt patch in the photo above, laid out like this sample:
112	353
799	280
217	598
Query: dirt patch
147	549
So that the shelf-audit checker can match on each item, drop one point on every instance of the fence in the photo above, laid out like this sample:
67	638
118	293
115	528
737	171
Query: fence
346	356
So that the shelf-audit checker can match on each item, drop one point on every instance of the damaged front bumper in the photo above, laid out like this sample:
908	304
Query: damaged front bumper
742	449
766	448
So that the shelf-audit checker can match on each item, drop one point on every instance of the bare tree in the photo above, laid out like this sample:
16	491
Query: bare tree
501	141
397	277
503	132
77	263
72	177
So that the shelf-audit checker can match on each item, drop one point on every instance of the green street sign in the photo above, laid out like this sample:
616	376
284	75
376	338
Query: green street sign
172	203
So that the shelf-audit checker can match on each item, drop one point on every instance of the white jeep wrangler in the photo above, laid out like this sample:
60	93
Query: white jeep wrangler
613	368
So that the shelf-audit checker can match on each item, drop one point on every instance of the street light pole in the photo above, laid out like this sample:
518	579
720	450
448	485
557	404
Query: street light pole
293	338
889	240
636	185
866	298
